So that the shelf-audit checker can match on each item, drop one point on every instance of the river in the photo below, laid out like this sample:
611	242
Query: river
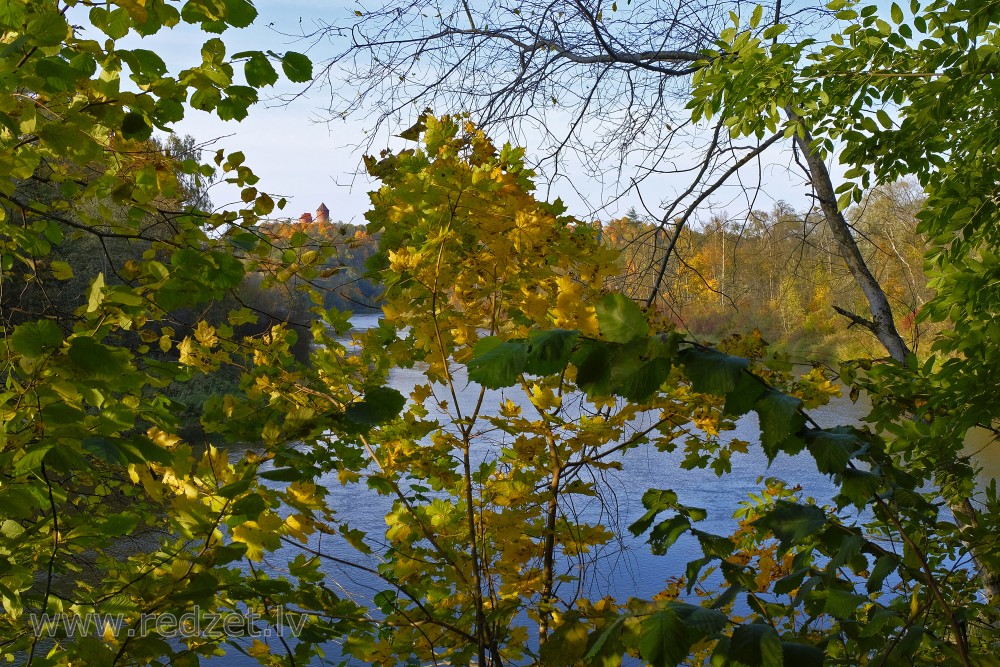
625	568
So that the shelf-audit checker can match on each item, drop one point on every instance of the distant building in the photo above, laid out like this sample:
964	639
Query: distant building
322	215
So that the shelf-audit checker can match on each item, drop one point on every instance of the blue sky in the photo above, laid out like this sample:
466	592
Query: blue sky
307	160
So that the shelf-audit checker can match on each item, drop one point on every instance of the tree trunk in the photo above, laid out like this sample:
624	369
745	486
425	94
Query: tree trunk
881	324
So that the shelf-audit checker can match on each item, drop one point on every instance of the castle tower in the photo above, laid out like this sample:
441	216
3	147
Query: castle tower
322	213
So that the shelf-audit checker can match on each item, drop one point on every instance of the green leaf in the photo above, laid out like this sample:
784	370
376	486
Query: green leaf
144	62
896	13
663	639
548	352
742	398
495	365
12	13
234	489
249	507
884	119
609	637
61	270
95	296
780	420
380	405
795	654
245	240
32	459
104	449
205	99
297	67
62	414
567	645
643	382
791	523
620	319
48	28
639	368
97	360
789	583
884	566
36	338
17	504
135	126
655	501
842	604
123	295
386	601
667	532
64	138
284	474
857	487
773	31
259	71
701	621
140	449
832	448
593	367
711	371
167	110
756	645
240	13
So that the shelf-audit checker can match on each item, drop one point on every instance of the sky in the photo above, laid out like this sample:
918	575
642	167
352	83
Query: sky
300	156
297	153
288	145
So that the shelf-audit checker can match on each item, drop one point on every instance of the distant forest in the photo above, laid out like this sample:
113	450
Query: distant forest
777	272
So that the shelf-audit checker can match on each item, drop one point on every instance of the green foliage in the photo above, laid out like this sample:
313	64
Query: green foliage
110	266
498	364
487	288
792	523
548	351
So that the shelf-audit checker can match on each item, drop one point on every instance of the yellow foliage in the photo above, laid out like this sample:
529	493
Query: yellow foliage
259	535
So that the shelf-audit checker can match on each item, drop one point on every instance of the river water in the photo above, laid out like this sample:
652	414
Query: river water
625	568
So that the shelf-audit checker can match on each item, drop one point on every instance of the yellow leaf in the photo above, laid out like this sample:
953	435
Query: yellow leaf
109	634
259	535
544	399
258	648
300	527
206	334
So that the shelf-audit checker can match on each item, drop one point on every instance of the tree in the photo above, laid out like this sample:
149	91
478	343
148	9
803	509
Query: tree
481	274
838	102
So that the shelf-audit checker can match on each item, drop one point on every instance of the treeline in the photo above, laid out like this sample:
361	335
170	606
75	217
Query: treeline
779	271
